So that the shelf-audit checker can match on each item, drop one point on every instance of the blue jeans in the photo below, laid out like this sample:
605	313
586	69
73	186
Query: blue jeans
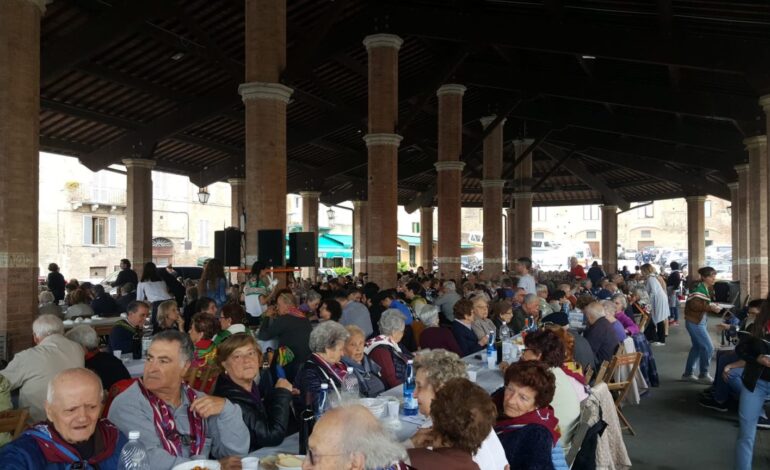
701	349
724	390
750	408
673	313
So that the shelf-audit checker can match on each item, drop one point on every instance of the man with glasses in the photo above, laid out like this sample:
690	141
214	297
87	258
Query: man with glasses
176	422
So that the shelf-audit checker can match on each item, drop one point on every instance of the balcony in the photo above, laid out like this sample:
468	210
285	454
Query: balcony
79	195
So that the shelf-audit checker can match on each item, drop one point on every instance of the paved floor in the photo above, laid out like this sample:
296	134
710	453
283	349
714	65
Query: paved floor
673	431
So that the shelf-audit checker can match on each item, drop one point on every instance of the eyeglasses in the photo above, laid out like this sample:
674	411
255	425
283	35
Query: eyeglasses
312	456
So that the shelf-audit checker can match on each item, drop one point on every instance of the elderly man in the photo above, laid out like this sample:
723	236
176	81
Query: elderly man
176	422
126	335
527	314
447	300
354	312
47	305
73	436
600	333
109	368
32	369
350	437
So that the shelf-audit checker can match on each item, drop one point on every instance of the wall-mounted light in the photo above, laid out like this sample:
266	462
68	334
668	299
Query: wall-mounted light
203	195
330	215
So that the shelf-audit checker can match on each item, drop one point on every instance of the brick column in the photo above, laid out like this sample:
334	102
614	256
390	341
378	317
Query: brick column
510	229
492	187
265	100
740	207
139	211
757	148
735	229
237	188
426	238
382	144
610	239
310	224
696	235
360	221
19	177
522	181
449	168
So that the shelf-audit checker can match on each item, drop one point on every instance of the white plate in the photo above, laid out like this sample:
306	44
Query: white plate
209	464
301	457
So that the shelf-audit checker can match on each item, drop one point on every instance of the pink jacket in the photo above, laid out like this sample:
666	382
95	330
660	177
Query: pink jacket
628	324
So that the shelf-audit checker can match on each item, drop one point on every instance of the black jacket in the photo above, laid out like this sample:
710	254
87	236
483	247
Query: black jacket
749	348
267	426
124	300
106	306
56	283
466	338
124	276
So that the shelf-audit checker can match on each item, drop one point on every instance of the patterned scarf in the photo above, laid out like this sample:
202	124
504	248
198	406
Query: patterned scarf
543	416
295	312
57	450
166	428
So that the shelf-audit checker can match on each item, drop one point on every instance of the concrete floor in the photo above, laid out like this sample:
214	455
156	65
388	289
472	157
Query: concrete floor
673	431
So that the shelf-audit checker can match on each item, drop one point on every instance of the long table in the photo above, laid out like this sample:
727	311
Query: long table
489	379
103	325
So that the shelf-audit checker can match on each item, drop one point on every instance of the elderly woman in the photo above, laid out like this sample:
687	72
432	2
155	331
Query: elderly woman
656	289
312	302
55	282
285	323
433	336
231	322
203	327
324	364
600	333
609	314
47	305
79	306
108	367
481	324
527	425
502	313
267	418
462	416
462	328
169	317
434	369
695	310
329	309
621	304
367	371
385	350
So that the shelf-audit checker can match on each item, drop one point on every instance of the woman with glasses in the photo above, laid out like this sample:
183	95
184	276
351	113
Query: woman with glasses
265	412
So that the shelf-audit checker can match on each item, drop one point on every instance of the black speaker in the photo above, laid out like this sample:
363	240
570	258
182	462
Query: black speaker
729	292
302	253
227	246
270	247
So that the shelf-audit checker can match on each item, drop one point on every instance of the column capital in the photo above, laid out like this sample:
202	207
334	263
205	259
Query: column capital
755	142
237	181
522	195
492	183
426	209
310	194
264	91
449	165
487	120
700	199
451	89
733	185
383	40
742	167
360	203
383	139
609	207
139	163
764	101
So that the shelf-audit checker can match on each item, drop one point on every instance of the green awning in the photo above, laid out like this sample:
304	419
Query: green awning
337	254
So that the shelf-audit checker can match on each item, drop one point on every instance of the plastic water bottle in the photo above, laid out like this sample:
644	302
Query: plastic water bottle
410	402
491	351
505	339
134	455
146	336
350	389
322	402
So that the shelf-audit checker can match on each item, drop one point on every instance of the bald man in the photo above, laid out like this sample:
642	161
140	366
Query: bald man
351	438
73	434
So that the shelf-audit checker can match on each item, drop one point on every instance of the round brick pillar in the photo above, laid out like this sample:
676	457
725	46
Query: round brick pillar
740	206
758	167
492	187
310	201
360	223
237	187
610	239
139	211
426	238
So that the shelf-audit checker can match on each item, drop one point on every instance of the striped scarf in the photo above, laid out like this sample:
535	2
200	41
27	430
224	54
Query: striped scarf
165	426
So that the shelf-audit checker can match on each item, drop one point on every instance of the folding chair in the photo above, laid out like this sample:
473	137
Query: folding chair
643	322
203	377
619	387
588	374
601	375
13	421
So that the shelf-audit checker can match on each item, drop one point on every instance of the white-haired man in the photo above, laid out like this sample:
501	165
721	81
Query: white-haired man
600	333
32	369
350	437
74	435
175	421
447	300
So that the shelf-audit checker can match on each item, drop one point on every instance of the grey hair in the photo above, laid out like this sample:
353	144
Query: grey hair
440	366
641	293
428	314
450	285
370	440
186	347
531	299
46	297
85	336
327	335
47	325
313	295
542	288
609	307
622	298
81	371
594	311
391	321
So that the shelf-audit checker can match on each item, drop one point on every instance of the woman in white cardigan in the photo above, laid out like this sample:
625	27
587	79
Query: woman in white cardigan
656	329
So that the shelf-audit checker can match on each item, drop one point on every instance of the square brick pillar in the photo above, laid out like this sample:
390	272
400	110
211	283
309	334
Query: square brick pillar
237	189
492	187
382	143
19	177
265	100
310	224
740	209
449	168
610	239
139	211
758	275
360	223
522	181
426	238
696	235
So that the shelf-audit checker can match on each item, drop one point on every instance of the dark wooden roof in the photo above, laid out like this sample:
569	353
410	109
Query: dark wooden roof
626	100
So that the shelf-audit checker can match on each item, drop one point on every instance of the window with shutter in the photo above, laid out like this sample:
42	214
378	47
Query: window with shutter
88	228
113	231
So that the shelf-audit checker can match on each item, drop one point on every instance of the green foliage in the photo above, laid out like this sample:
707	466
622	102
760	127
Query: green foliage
342	271
403	266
